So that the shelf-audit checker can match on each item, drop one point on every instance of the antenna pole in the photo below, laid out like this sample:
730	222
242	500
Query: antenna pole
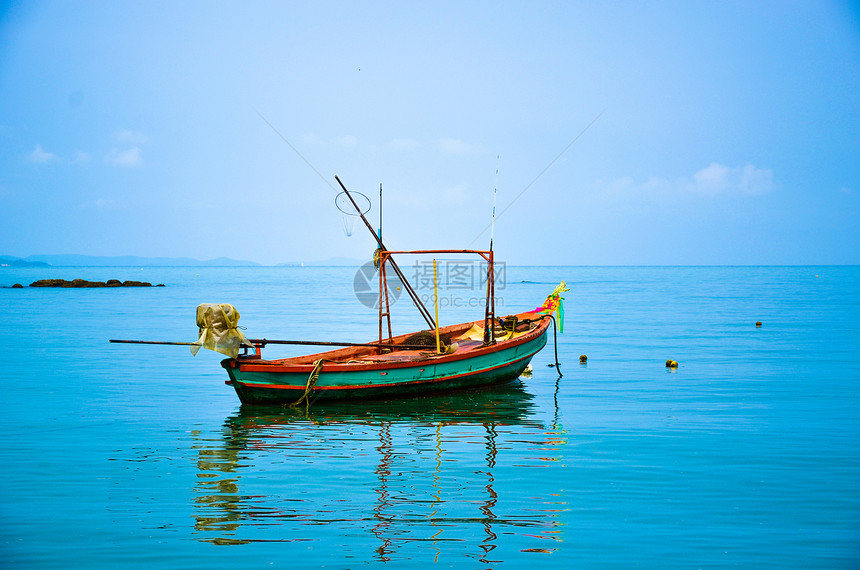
380	211
495	186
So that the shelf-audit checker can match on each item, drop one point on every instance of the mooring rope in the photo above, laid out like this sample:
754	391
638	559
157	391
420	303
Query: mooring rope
555	346
312	381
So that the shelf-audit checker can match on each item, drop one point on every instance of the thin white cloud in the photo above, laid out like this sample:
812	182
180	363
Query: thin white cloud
129	157
717	179
456	146
41	156
129	137
714	180
127	151
846	191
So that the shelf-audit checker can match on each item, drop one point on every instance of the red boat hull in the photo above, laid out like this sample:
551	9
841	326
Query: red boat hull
349	374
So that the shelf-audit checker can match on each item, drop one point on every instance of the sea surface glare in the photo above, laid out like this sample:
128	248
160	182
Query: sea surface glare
746	455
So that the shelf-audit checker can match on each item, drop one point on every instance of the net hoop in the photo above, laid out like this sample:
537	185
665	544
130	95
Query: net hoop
341	201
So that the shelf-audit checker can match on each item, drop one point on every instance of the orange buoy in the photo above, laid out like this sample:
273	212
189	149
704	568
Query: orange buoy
671	364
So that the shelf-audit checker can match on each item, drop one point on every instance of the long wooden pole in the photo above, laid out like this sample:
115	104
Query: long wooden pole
264	342
154	342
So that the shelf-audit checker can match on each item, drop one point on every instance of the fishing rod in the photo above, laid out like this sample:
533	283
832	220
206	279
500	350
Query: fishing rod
262	342
491	273
535	179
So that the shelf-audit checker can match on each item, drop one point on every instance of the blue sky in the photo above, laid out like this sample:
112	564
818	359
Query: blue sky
728	132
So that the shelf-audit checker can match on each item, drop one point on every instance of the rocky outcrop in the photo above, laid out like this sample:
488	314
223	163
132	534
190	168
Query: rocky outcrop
79	283
48	283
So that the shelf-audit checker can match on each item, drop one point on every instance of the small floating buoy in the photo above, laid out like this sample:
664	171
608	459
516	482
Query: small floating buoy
671	364
758	324
583	358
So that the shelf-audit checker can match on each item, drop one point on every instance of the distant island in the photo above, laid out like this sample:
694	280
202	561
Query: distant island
74	260
331	262
16	262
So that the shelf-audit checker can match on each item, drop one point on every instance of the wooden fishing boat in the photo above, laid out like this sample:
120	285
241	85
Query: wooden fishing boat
393	371
474	354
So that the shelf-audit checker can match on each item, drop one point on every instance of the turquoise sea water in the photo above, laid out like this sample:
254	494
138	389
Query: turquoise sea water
747	456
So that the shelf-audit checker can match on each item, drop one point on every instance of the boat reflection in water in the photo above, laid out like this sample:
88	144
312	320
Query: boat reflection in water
381	479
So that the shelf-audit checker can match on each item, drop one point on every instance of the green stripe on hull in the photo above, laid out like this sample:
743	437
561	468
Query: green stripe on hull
257	395
423	378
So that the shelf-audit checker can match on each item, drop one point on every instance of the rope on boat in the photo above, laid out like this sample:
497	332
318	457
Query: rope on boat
312	381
